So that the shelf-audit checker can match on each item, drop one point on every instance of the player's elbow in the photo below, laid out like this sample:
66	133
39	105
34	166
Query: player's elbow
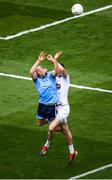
31	72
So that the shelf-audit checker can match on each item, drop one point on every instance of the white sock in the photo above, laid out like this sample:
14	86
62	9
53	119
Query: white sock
71	148
47	143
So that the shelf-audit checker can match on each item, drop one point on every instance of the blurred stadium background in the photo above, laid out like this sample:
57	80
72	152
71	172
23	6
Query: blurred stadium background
87	54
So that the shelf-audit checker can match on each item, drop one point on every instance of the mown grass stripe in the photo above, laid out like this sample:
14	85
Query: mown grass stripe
91	172
71	85
55	23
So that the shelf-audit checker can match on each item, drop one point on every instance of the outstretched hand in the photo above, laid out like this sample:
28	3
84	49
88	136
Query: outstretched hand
42	56
50	58
57	55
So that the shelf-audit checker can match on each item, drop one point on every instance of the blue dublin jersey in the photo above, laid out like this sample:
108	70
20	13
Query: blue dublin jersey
46	87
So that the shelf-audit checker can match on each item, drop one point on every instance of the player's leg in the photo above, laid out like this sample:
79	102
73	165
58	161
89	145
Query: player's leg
51	116
58	129
67	133
69	139
41	120
63	113
53	122
53	127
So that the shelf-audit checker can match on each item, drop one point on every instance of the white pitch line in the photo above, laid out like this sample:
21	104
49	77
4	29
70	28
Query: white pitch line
90	88
71	85
54	23
91	172
15	76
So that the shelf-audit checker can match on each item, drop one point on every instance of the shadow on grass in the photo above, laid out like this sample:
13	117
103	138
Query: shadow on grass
20	155
9	9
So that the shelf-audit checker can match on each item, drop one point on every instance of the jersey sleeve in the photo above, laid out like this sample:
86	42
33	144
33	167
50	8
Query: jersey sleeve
34	76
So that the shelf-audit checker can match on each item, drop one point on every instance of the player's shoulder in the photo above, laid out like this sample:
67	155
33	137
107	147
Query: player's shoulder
34	76
67	78
52	73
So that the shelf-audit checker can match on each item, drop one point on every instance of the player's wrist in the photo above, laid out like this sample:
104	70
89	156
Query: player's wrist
38	60
55	59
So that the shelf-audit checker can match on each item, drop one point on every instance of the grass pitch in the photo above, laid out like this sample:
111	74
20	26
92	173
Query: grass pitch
86	44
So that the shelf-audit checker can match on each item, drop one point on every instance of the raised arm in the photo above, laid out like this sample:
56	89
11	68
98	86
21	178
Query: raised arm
60	67
41	57
54	61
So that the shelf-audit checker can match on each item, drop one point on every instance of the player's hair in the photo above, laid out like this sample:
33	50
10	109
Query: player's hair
62	65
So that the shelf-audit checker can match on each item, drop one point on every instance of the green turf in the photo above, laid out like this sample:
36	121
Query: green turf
86	44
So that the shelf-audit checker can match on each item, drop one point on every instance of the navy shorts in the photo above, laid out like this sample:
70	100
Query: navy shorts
46	112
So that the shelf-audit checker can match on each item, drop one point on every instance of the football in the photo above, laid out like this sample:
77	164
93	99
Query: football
77	9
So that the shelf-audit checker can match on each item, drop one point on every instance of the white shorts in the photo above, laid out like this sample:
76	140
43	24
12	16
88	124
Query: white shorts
62	112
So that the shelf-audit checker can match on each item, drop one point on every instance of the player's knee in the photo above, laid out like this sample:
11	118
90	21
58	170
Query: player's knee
39	123
51	130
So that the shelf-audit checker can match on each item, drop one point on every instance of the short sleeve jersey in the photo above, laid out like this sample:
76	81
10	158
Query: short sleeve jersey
46	87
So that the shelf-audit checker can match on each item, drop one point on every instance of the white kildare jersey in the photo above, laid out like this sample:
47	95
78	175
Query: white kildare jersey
62	89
